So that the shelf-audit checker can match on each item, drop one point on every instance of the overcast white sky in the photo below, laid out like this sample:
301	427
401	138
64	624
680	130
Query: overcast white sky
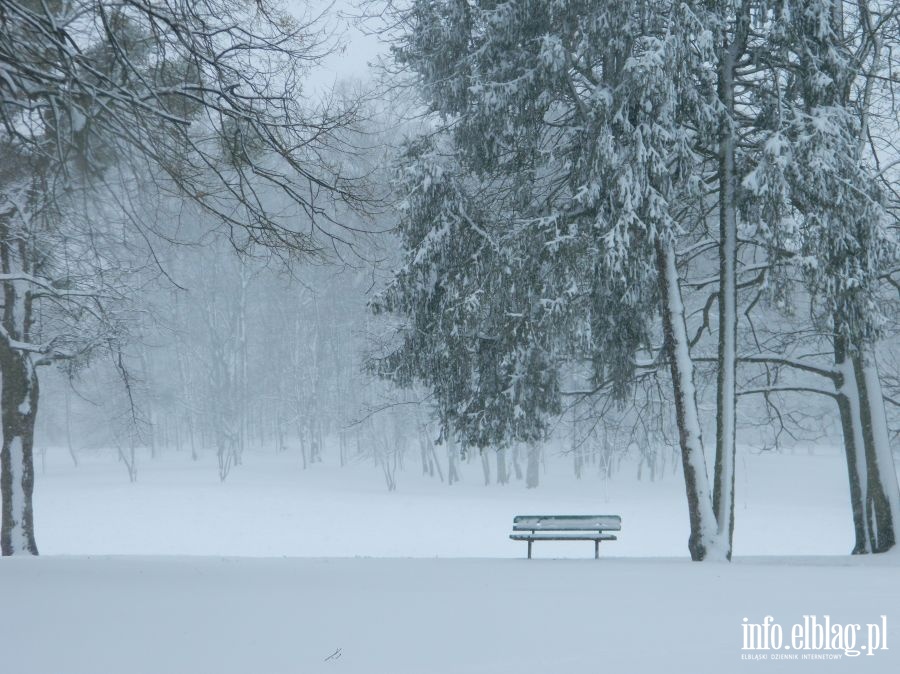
359	48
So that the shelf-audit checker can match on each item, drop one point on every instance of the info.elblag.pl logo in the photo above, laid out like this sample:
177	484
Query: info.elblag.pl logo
813	638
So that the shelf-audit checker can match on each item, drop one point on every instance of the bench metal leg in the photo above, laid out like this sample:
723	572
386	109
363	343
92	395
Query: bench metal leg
529	549
596	549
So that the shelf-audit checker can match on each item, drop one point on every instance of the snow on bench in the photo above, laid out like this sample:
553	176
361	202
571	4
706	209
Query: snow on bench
566	528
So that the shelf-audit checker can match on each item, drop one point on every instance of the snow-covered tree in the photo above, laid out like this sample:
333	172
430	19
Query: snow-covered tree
65	295
473	307
593	147
830	215
576	129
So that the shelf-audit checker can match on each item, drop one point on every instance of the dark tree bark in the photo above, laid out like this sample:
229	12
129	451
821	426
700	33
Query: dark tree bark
18	405
874	495
853	452
723	475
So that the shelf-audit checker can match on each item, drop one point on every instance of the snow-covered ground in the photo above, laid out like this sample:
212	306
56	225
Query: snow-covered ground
787	504
187	615
424	580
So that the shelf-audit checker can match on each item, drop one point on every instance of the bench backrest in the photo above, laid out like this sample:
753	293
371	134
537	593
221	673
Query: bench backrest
567	523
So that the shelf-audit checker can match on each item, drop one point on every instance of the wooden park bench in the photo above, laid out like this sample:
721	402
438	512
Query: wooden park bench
533	528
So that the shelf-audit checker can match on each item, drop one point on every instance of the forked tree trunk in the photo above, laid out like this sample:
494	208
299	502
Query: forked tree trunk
18	404
854	445
874	493
854	451
703	542
882	504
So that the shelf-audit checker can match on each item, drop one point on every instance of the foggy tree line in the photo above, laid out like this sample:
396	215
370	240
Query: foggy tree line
243	353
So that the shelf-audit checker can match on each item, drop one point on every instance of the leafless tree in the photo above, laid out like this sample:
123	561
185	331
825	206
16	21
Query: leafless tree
201	100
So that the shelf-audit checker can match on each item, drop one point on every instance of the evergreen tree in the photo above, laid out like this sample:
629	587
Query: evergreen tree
830	215
574	127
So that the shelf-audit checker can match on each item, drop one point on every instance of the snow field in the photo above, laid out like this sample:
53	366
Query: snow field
149	615
284	570
787	504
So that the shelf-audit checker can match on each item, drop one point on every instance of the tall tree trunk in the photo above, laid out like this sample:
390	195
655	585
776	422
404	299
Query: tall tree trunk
452	458
532	469
301	435
882	493
434	461
69	426
185	381
577	442
486	467
502	470
854	445
724	472
703	542
517	467
427	468
18	406
241	369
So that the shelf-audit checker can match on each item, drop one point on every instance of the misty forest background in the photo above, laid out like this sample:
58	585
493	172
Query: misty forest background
627	236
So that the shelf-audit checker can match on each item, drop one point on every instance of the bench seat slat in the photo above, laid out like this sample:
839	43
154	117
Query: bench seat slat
567	523
562	537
